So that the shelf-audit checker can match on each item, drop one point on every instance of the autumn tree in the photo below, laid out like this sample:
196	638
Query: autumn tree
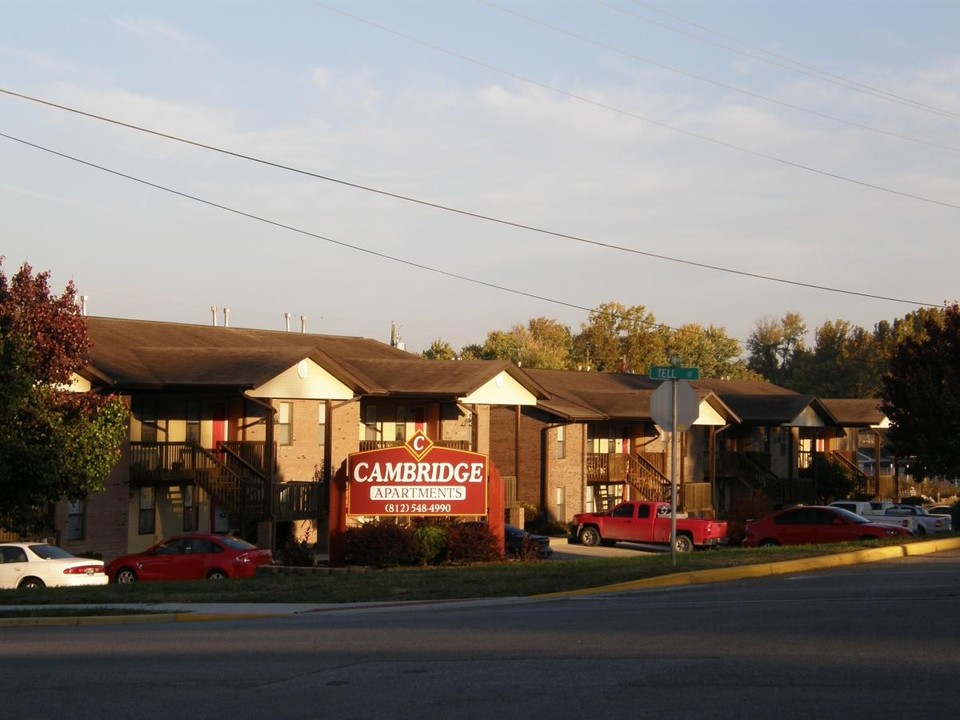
847	361
541	343
54	443
621	339
711	350
774	346
921	395
440	350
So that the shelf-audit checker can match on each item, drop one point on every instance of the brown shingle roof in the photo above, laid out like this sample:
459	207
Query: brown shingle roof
855	412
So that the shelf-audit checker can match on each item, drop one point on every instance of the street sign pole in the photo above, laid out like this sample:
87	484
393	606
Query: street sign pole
662	415
673	479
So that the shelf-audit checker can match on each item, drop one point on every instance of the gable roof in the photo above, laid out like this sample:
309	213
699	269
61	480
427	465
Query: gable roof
857	412
593	396
138	354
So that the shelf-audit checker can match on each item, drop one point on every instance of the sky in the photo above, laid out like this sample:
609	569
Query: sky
454	167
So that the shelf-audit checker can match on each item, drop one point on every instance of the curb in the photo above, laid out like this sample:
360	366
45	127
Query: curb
824	562
695	577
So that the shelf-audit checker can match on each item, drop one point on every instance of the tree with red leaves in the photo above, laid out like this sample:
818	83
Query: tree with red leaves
54	443
921	395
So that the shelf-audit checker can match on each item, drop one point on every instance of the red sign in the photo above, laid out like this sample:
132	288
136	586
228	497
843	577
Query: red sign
417	478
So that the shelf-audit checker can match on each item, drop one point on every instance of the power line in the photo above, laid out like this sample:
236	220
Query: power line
636	116
465	213
793	65
715	83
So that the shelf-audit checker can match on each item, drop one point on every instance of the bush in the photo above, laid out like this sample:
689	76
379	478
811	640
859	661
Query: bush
382	543
298	552
431	543
471	542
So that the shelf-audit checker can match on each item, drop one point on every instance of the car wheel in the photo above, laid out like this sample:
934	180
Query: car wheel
216	575
768	543
684	544
125	576
31	583
590	537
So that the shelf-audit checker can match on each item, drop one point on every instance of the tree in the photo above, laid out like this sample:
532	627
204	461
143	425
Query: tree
54	443
542	343
440	350
921	395
621	339
774	346
710	350
846	362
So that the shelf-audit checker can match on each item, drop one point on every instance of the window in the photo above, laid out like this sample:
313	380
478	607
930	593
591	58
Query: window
193	421
75	520
400	431
148	421
370	422
561	442
284	427
627	511
561	509
147	519
189	495
322	425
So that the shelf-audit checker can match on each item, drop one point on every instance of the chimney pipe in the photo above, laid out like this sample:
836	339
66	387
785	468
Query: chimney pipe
83	305
226	317
303	324
286	321
213	311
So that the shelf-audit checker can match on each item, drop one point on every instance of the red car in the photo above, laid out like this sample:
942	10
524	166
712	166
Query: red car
193	556
816	524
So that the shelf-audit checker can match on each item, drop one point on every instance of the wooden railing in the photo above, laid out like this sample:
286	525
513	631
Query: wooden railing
864	483
381	444
642	472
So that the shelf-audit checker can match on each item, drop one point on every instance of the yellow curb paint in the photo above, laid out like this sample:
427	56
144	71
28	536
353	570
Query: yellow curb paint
823	562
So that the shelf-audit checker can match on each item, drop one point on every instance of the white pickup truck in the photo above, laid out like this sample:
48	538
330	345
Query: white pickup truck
926	524
912	517
876	510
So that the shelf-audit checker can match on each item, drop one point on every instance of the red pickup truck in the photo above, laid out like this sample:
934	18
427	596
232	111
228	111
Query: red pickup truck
645	522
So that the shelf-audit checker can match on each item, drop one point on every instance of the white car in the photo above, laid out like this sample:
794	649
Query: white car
35	565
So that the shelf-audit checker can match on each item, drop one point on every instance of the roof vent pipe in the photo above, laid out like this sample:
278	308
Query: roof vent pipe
286	321
226	317
213	311
303	324
83	305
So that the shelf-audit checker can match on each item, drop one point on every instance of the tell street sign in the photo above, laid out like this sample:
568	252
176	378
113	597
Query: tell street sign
669	372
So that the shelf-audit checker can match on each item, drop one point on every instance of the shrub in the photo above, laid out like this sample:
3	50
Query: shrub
382	543
471	542
298	552
431	543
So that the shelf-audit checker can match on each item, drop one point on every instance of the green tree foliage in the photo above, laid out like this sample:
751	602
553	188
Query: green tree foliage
773	346
440	350
541	343
846	362
710	349
54	443
621	339
921	394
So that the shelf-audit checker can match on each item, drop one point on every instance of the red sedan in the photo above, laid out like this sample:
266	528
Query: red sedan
194	556
816	524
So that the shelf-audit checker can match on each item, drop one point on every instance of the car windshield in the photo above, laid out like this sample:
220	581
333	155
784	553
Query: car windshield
50	552
850	516
236	543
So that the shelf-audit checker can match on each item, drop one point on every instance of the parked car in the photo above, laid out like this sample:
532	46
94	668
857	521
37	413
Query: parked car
816	524
193	556
519	542
926	522
37	565
941	510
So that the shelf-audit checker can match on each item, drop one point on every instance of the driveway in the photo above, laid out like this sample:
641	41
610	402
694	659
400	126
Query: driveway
562	550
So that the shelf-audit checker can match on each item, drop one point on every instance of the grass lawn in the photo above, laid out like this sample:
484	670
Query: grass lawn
506	579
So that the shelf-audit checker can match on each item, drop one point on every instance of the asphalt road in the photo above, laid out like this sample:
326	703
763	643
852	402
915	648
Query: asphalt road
866	641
